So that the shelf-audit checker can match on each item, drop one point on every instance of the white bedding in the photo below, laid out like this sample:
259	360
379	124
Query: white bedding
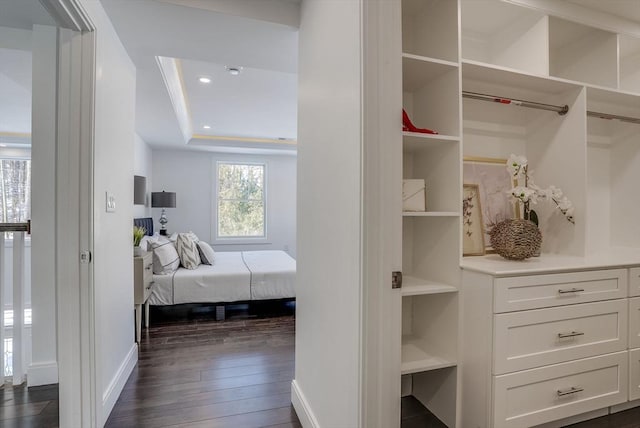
273	274
234	276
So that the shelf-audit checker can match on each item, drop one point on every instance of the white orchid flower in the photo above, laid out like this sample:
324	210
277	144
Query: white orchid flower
516	165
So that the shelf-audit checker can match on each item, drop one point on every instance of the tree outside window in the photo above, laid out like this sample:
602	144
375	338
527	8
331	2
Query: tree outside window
15	191
241	200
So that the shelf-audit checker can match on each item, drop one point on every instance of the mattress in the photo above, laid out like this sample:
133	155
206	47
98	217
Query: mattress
273	274
227	280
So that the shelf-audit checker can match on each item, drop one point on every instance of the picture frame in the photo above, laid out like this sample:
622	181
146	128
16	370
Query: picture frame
494	182
473	243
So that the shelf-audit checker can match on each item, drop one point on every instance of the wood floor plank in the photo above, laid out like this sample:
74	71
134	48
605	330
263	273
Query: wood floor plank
20	410
249	420
186	415
148	405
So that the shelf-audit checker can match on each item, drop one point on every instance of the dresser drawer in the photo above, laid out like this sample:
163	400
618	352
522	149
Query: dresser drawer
634	322
533	397
541	291
523	340
634	374
142	277
634	281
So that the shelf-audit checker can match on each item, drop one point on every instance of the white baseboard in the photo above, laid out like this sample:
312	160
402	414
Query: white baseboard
625	406
116	385
42	373
301	405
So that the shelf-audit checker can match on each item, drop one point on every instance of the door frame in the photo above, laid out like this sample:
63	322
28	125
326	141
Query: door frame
381	196
75	303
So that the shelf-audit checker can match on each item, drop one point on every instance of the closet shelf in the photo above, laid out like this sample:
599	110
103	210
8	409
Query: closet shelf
507	77
430	214
415	359
429	59
412	286
415	141
418	71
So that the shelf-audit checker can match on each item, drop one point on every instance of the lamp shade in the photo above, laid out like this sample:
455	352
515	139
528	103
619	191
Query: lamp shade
139	189
163	199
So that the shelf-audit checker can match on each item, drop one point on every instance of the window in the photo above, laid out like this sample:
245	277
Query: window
241	200
15	190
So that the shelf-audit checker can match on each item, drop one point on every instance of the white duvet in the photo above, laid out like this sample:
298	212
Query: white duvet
273	274
234	276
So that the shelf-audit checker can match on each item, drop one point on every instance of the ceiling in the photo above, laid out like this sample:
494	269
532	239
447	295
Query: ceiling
23	14
253	109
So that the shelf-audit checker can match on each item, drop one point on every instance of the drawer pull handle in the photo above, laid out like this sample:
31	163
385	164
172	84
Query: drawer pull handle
572	334
572	390
149	267
571	290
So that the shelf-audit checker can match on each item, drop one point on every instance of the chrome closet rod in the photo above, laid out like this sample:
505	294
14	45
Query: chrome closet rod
561	110
613	116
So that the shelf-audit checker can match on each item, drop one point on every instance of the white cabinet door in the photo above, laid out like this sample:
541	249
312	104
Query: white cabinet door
634	281
634	322
555	392
541	291
528	339
634	374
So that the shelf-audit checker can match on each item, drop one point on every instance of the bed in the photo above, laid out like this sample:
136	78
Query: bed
238	276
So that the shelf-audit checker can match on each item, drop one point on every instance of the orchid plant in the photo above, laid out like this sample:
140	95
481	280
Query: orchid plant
529	194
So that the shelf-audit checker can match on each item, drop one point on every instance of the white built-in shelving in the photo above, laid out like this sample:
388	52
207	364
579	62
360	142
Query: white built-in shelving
416	357
431	239
430	214
412	286
521	50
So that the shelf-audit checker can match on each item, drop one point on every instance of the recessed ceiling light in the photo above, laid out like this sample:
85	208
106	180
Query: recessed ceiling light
204	79
3	145
234	71
206	127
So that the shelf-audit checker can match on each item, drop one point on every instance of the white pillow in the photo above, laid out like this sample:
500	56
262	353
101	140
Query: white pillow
188	251
165	256
206	253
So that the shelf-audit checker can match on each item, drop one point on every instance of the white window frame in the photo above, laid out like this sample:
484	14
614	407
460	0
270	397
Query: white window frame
235	240
16	154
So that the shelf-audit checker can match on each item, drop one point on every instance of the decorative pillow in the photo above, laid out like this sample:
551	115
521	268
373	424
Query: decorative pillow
188	250
145	243
165	256
206	253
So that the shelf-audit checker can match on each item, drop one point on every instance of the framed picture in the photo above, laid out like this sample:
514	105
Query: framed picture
472	226
494	183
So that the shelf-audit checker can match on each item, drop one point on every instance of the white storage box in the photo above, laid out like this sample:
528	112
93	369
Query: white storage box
413	198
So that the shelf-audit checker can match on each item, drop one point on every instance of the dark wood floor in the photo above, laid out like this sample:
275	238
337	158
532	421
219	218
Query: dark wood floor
35	407
194	371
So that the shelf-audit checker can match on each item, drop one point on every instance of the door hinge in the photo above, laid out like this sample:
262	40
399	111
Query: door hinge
396	279
85	257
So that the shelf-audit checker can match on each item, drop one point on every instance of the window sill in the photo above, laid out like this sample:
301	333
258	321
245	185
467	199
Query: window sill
241	241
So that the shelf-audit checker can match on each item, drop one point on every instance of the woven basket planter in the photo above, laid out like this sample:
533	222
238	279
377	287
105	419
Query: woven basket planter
516	239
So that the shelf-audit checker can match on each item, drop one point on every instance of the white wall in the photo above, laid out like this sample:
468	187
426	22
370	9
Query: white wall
116	352
326	385
142	165
192	176
44	366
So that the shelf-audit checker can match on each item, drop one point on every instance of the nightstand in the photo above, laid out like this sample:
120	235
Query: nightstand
142	281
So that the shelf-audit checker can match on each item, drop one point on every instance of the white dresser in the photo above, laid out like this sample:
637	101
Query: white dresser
548	340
